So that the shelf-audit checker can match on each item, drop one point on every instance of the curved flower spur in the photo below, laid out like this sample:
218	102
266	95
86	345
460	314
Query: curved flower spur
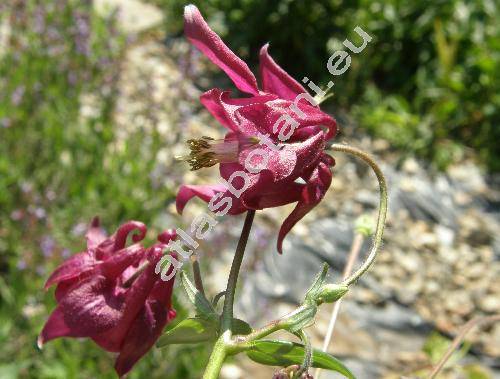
280	122
111	294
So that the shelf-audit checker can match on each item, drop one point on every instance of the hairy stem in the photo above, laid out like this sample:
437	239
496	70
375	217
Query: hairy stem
308	355
222	346
272	327
227	313
216	360
458	340
198	282
377	239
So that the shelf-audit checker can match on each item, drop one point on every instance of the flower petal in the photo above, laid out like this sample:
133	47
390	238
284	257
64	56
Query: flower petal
263	195
91	307
312	194
204	192
55	327
212	101
210	44
275	79
71	268
124	230
142	335
134	299
273	117
287	163
226	109
117	263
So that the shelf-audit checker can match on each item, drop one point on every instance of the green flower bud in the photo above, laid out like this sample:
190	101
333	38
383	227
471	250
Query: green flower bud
330	293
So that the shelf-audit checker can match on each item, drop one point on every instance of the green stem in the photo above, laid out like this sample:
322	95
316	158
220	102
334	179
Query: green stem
216	360
382	213
272	327
223	345
227	313
198	282
304	367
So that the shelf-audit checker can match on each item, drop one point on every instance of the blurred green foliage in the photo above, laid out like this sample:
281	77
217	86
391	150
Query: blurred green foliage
428	82
61	163
436	346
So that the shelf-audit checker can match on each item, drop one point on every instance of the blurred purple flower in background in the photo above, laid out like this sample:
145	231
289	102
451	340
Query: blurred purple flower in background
39	23
5	122
40	270
17	215
21	265
79	229
65	253
48	245
81	32
17	95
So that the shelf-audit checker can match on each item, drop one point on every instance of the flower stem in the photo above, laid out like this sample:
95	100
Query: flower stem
216	360
221	347
308	355
227	313
382	213
198	282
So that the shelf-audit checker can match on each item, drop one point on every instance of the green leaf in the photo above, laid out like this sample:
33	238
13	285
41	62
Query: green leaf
202	305
197	329
190	330
240	327
284	353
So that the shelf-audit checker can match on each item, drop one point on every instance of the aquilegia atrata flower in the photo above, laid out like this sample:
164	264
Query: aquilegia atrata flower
276	136
111	294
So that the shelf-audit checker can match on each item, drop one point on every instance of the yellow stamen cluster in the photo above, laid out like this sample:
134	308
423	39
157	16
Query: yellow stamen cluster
206	152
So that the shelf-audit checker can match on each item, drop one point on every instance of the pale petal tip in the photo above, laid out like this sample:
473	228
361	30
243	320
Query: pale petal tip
189	11
39	342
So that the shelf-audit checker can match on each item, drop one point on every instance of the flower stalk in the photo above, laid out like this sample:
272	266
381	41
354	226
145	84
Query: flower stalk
198	282
382	213
221	347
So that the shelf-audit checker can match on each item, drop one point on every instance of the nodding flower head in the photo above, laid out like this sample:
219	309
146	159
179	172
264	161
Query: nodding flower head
278	112
111	294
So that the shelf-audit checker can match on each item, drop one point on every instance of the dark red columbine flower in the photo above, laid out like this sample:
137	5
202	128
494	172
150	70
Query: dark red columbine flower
298	171
110	294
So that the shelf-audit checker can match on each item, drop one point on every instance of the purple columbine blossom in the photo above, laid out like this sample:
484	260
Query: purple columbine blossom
95	301
247	120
